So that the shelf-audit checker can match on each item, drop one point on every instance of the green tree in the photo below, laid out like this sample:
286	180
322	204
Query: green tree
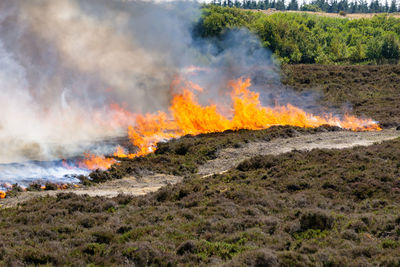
393	8
374	49
322	57
213	24
293	5
357	52
280	5
338	49
390	47
305	38
308	7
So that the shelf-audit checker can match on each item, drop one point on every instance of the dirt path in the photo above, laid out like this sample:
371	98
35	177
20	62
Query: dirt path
227	158
128	185
230	157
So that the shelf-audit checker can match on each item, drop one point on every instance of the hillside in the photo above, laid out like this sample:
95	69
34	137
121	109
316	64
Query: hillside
266	202
181	133
323	207
362	90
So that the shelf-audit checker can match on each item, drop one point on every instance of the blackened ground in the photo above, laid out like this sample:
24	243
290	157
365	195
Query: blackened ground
372	91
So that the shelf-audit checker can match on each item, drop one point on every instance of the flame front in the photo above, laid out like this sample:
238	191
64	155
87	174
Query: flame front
93	162
187	116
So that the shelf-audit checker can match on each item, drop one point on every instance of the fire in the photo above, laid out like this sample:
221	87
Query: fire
93	162
187	116
149	130
120	152
6	186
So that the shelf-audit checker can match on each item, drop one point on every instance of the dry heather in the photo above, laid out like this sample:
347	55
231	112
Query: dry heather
323	207
183	156
316	208
372	91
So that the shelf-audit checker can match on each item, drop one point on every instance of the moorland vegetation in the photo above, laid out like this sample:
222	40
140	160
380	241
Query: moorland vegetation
316	208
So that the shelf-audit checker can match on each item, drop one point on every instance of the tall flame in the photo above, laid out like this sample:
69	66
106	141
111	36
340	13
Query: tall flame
187	116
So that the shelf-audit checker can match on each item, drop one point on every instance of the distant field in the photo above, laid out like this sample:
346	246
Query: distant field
332	15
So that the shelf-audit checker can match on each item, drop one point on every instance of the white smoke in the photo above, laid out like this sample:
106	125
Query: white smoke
62	63
65	63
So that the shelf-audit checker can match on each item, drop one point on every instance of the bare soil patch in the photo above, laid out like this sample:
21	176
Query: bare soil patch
135	186
230	157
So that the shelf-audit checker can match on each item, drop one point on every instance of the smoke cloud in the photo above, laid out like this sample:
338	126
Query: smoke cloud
65	64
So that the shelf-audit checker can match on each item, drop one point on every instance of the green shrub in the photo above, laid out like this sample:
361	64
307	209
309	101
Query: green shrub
206	249
306	38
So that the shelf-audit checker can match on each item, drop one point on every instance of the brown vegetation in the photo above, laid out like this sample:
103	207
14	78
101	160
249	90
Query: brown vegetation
372	91
183	156
323	207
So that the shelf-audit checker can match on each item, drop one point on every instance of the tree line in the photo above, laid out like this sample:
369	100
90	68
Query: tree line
306	38
331	6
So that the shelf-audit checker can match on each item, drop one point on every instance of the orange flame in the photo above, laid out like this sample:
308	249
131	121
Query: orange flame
120	152
93	162
187	116
3	194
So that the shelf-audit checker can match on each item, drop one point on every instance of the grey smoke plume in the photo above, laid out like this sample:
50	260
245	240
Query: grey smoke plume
64	63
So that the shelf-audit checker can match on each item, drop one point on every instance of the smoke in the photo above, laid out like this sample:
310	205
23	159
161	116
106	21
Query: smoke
65	64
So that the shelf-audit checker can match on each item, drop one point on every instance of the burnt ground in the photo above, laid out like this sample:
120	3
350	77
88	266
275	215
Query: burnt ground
372	91
324	207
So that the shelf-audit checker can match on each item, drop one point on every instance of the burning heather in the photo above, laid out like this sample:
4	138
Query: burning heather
187	116
112	71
